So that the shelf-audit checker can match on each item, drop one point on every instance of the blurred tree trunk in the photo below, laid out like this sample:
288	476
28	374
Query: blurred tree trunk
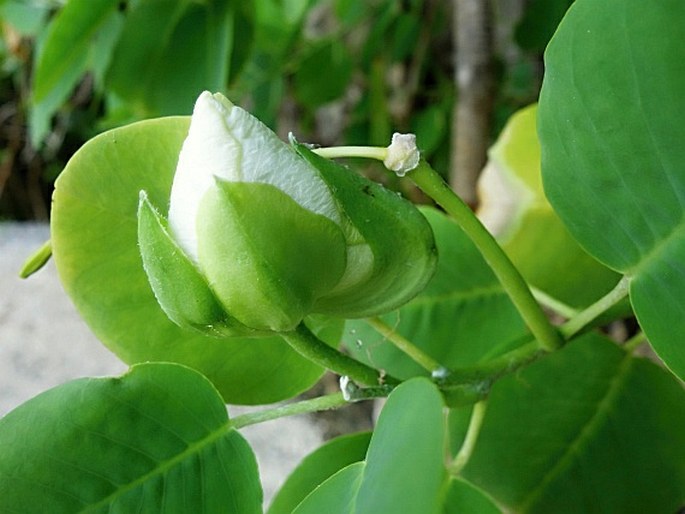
471	118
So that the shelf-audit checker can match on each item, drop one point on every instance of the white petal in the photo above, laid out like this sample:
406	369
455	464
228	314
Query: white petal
227	142
209	150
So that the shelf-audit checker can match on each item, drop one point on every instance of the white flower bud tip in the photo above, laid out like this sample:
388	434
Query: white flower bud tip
403	155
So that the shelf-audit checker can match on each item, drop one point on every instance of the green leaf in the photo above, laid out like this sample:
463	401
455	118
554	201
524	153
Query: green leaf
156	439
405	469
464	498
67	43
451	319
94	237
514	208
169	52
588	429
318	467
613	162
63	58
336	495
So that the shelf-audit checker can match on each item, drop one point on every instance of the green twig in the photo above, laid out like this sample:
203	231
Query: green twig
405	345
434	186
553	304
469	443
585	317
328	402
304	342
484	375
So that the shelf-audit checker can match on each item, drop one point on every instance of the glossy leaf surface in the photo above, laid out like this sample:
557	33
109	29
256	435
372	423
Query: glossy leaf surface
587	429
611	129
94	235
156	439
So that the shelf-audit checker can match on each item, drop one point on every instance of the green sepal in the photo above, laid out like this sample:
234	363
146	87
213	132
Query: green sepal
180	289
398	235
267	258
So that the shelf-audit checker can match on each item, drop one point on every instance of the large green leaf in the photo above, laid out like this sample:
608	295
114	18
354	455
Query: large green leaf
451	320
169	52
404	468
612	132
94	235
318	467
156	439
514	208
588	429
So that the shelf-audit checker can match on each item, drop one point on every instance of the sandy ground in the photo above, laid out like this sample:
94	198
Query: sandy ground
44	343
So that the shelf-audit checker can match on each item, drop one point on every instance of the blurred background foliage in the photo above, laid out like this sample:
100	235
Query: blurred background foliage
330	71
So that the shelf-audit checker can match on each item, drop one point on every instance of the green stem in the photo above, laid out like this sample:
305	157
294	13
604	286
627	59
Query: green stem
553	304
469	443
432	184
405	345
585	317
328	402
304	342
487	373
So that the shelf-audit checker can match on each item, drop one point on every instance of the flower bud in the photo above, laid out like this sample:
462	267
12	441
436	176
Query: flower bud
261	234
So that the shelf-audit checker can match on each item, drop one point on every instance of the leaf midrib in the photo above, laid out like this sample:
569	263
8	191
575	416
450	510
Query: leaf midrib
164	466
584	435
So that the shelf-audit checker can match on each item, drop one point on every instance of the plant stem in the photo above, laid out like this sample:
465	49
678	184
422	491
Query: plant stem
552	303
405	345
304	342
469	443
432	184
328	402
488	372
368	152
583	318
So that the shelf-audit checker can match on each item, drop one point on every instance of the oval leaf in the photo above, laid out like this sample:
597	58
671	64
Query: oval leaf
611	129
588	429
405	469
156	439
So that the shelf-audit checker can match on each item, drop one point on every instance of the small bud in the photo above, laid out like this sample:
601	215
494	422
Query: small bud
403	155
